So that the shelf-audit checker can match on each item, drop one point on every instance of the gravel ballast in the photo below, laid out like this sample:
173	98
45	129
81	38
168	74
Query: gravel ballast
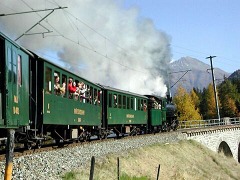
52	165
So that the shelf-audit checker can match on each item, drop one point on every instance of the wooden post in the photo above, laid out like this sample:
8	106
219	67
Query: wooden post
9	154
118	176
158	171
92	168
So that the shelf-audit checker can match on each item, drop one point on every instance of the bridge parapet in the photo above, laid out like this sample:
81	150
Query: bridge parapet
218	138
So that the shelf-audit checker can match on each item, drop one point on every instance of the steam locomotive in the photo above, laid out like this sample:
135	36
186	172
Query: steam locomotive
36	101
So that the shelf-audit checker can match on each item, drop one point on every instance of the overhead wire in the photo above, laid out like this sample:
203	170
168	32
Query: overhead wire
199	54
86	47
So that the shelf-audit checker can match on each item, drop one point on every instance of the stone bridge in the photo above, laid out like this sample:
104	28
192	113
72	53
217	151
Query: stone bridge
224	139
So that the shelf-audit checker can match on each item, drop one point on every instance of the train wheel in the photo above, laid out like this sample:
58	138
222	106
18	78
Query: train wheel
102	136
39	144
28	145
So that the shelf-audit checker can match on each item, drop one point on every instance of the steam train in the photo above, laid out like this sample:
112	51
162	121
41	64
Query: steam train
38	109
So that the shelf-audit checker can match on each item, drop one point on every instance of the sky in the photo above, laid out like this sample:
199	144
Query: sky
198	28
126	44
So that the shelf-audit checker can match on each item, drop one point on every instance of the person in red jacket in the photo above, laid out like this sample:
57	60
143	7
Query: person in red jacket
71	88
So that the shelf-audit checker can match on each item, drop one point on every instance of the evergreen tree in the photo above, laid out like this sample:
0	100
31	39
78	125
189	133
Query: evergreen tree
228	94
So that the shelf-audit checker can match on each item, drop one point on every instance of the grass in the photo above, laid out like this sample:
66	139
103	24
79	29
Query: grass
127	177
182	160
70	176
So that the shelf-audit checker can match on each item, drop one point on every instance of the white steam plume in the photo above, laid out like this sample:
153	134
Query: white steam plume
100	40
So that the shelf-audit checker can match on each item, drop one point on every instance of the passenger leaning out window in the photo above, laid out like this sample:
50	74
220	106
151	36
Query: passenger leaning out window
57	85
71	88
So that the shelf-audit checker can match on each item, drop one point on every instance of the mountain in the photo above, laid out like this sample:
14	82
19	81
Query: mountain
235	75
198	76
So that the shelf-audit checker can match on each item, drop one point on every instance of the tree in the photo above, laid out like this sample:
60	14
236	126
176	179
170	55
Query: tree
195	97
207	104
186	106
228	94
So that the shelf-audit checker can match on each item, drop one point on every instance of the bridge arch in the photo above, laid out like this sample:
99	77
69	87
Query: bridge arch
224	147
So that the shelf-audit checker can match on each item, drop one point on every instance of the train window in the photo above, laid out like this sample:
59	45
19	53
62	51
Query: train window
95	96
144	105
99	97
139	104
9	54
89	95
115	100
70	88
119	101
124	102
19	75
14	67
48	80
109	100
132	103
75	94
64	85
128	102
57	86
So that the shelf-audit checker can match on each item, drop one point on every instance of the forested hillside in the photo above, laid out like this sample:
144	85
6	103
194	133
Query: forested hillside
200	104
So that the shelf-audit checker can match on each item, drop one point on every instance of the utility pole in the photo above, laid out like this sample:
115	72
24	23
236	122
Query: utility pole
9	154
214	87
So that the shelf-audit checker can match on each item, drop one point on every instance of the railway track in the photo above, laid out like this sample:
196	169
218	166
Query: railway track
22	152
45	148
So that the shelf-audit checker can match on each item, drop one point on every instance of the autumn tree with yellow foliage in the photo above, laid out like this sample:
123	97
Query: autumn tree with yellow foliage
186	105
208	105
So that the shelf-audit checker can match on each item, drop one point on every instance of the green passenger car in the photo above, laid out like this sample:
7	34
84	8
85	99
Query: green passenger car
64	112
14	84
156	113
124	109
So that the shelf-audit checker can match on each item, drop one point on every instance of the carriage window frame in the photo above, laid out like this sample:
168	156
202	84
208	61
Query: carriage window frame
141	105
95	94
14	67
124	102
132	103
56	74
110	100
128	102
9	58
19	70
99	97
115	100
119	101
48	80
63	79
138	104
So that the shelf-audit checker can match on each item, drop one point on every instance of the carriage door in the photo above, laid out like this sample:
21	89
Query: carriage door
2	65
10	62
12	88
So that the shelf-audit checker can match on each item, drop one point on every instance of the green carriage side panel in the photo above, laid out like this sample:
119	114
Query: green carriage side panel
62	110
125	114
17	86
157	110
156	117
